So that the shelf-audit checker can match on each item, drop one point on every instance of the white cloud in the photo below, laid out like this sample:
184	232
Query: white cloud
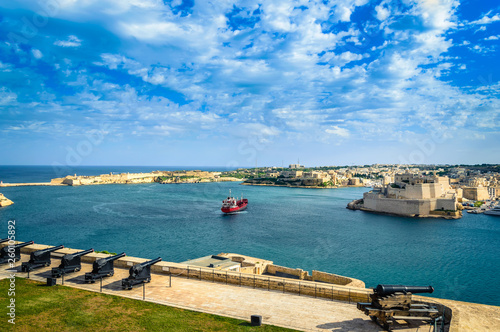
72	41
36	53
382	13
292	73
486	19
339	131
493	37
7	97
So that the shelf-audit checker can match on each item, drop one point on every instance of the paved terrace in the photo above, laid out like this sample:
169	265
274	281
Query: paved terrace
276	308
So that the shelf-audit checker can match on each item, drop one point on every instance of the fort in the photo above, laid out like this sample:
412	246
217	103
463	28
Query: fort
413	196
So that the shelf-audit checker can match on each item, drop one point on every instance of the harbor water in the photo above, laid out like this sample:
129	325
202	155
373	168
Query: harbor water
299	228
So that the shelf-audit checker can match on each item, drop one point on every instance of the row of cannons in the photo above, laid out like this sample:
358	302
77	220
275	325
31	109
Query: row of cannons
101	268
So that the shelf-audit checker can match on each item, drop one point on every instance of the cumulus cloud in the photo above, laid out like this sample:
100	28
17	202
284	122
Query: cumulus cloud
36	53
336	130
493	37
71	41
301	70
486	19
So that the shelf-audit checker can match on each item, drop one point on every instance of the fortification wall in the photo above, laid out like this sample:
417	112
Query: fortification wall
336	279
276	269
398	206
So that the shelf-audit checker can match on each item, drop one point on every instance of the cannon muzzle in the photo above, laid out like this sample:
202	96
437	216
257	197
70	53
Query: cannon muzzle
103	261
78	254
24	244
44	251
149	263
383	290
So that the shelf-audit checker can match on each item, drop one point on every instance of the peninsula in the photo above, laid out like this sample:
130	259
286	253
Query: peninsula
195	176
4	201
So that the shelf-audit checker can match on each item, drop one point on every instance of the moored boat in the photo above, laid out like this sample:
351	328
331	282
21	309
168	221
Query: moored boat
493	212
231	204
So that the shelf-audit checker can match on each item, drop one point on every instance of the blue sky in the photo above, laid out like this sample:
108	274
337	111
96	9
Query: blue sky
239	83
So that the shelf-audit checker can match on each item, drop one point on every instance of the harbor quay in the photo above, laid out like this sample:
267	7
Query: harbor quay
281	299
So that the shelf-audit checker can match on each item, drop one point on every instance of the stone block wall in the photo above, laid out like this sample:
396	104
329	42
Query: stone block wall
273	269
336	279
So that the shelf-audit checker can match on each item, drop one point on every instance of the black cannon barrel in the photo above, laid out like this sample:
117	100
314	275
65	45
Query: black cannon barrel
148	263
78	254
382	290
103	261
43	251
4	240
137	269
24	244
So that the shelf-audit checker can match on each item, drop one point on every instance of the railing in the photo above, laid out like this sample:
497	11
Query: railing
272	283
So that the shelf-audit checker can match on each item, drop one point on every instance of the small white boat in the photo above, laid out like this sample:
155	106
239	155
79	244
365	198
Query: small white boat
493	212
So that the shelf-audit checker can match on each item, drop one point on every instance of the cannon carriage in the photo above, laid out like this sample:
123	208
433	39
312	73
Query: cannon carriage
70	263
392	303
39	258
103	267
12	252
139	273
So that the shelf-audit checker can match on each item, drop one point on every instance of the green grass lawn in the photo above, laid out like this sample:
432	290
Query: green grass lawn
59	308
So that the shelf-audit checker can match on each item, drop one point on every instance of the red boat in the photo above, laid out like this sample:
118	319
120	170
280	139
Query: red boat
230	204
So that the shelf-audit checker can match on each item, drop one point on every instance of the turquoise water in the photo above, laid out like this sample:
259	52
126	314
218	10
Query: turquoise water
304	228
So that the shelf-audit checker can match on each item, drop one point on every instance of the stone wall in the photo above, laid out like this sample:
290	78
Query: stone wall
276	269
407	207
336	279
476	193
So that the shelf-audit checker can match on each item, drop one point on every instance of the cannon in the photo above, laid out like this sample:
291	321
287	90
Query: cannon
139	273
4	240
384	290
12	252
70	263
102	267
39	259
392	303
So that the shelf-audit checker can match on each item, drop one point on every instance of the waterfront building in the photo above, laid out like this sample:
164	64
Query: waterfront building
476	193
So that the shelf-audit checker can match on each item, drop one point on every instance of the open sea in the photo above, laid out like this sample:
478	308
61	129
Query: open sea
298	228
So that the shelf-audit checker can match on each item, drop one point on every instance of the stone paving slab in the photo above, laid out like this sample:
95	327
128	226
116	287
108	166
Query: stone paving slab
276	308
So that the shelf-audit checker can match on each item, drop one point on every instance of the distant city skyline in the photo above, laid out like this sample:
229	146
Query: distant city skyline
241	83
